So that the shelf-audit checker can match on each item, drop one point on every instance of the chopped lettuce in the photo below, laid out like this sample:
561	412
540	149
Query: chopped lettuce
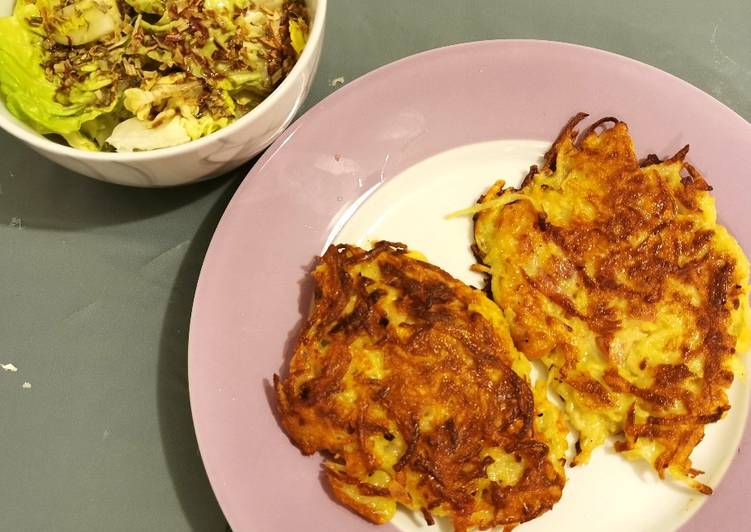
298	35
173	92
105	74
135	135
200	127
84	21
30	95
154	7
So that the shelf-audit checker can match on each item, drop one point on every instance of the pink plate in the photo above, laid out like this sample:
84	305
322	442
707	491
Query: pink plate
252	290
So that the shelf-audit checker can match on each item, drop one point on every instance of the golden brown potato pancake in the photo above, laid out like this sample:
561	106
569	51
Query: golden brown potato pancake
408	382
617	276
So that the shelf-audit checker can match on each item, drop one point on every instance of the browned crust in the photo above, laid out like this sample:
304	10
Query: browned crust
339	484
597	123
606	265
447	356
567	133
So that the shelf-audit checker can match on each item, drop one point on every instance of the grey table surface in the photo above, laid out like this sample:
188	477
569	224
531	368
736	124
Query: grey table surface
97	280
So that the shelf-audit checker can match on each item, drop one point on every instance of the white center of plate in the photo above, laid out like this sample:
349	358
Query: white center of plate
610	493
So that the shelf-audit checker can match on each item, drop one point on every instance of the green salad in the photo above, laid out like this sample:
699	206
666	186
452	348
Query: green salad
132	75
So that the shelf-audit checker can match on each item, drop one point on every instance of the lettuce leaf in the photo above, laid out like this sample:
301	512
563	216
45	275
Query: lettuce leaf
30	96
155	7
136	135
200	127
84	21
298	35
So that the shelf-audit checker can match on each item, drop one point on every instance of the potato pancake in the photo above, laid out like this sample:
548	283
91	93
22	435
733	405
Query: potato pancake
408	382
616	274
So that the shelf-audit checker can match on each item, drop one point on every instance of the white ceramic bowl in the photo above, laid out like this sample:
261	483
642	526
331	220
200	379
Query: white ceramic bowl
206	157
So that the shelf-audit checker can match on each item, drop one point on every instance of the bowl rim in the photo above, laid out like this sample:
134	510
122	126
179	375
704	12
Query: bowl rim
308	56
